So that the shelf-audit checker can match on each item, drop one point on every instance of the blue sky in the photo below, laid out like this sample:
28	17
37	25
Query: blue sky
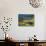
26	16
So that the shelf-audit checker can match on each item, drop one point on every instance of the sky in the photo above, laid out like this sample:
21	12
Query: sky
26	16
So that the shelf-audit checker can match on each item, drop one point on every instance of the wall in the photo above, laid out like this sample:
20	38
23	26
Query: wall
11	8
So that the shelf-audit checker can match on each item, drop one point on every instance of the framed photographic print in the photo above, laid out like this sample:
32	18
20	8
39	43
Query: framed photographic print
26	20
